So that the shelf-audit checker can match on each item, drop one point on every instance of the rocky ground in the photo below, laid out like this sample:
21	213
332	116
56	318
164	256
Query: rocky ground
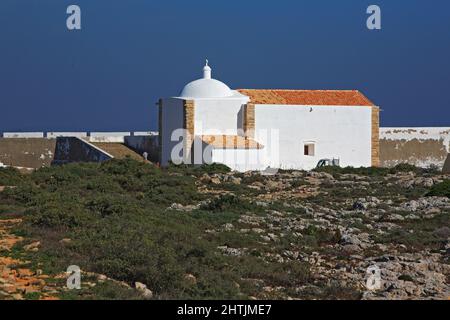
336	228
17	280
372	218
21	280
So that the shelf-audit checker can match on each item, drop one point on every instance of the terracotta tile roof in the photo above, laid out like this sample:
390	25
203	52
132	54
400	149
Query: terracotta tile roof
307	97
231	142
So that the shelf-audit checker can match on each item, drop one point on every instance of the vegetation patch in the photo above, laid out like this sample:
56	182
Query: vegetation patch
112	218
440	190
11	177
202	232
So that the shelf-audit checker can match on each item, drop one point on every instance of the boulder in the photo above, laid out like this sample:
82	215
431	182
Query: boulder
32	246
427	203
235	180
347	239
190	278
228	226
320	175
142	288
366	203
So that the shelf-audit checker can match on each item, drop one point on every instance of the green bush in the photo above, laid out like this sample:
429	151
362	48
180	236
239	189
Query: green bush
376	171
286	274
227	202
59	215
364	171
404	167
10	177
115	214
440	190
197	170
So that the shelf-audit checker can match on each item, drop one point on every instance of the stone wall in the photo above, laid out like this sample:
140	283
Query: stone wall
422	147
249	120
27	152
73	149
375	137
114	137
37	149
35	153
141	144
189	126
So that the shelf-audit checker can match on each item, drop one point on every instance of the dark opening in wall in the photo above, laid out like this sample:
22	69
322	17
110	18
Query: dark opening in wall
309	149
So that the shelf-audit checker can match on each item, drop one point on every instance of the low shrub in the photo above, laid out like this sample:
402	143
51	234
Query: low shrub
197	170
375	171
10	177
440	190
404	167
364	171
227	202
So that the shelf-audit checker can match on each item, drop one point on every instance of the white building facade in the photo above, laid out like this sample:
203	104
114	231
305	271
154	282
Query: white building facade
252	129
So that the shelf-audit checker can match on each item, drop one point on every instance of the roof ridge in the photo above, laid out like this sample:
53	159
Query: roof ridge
327	90
342	97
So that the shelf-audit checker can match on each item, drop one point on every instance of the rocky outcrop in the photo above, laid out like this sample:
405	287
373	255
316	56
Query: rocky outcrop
343	225
17	279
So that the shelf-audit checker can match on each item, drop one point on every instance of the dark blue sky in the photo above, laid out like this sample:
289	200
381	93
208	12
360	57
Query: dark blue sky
129	53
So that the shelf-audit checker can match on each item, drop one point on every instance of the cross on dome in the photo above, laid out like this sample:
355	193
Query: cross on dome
206	71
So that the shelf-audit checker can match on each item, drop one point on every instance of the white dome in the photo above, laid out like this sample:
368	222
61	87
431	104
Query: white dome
206	88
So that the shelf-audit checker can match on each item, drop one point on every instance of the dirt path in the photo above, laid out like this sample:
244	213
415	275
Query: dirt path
16	280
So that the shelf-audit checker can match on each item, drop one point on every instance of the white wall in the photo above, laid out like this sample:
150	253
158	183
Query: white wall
111	137
240	159
338	132
441	134
222	116
66	134
172	119
23	134
94	136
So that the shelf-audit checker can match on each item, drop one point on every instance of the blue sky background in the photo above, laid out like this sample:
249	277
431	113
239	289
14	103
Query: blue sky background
108	76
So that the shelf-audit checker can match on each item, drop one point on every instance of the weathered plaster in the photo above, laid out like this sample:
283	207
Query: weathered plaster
418	146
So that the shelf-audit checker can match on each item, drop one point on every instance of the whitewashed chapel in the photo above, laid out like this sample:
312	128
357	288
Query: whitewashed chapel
251	129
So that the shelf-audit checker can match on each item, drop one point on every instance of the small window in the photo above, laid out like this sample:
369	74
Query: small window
309	149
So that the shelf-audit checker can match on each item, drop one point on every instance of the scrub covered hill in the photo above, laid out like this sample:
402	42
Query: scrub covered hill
205	232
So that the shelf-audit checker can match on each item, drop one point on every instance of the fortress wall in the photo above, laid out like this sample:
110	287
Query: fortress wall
114	137
22	134
141	144
418	146
43	152
41	149
66	134
94	136
73	149
27	152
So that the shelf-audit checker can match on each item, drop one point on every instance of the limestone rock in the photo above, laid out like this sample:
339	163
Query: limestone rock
34	246
142	288
190	278
366	203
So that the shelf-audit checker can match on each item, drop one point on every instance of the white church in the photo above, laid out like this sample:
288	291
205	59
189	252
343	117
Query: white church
254	129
